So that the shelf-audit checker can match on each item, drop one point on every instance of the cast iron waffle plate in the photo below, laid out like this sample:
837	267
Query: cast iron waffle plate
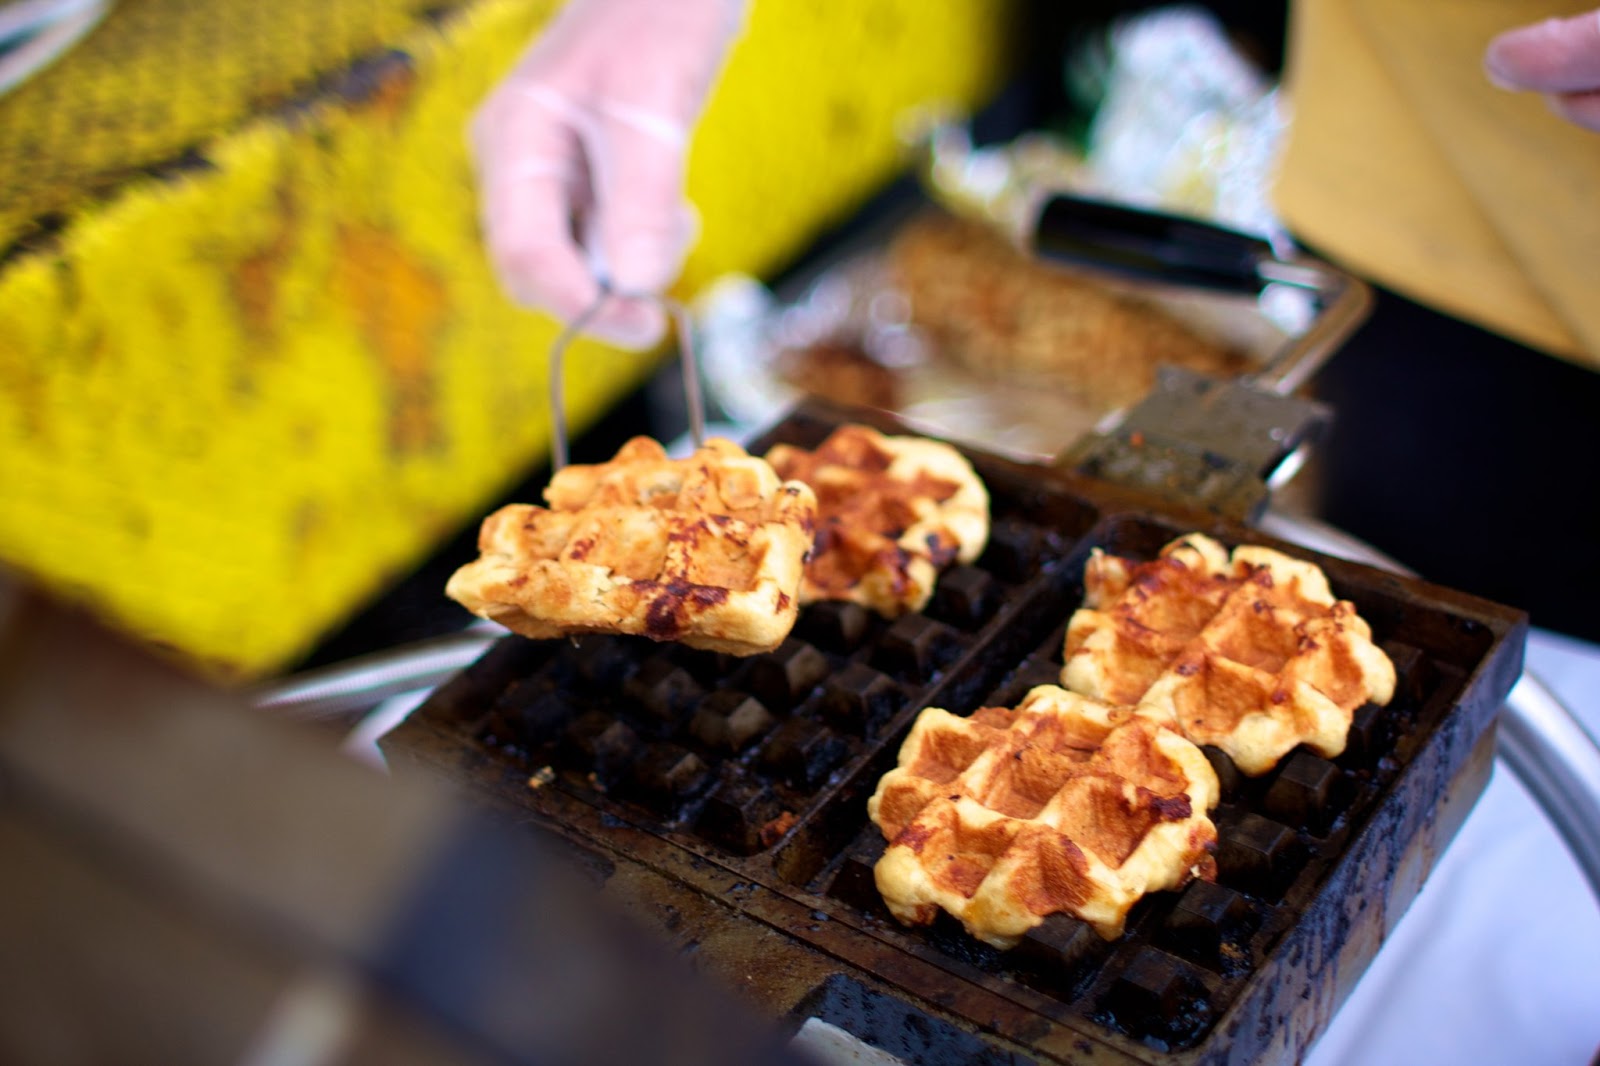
748	778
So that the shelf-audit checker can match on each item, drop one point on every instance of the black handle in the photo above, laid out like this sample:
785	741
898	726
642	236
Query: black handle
1149	244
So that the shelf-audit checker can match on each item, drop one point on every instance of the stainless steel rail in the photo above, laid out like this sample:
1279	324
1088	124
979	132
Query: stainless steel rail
344	690
1559	763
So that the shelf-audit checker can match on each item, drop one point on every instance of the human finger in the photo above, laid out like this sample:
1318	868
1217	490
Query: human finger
1554	56
1581	109
531	180
628	322
643	225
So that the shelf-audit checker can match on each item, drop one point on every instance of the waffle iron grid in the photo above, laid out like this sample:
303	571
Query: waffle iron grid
762	766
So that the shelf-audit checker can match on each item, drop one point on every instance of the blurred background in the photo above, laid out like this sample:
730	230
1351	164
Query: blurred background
258	384
252	351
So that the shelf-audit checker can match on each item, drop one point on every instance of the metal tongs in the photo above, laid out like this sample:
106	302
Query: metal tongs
694	397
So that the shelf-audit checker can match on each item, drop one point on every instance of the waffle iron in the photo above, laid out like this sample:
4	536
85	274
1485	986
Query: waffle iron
724	800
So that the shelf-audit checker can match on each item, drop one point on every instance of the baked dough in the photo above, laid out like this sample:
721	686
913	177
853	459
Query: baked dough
707	551
1062	805
1003	313
892	513
1250	653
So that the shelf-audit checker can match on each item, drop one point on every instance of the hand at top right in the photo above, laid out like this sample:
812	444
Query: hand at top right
1559	58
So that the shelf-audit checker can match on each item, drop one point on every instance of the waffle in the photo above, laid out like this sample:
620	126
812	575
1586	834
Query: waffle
892	513
706	551
1064	804
1251	654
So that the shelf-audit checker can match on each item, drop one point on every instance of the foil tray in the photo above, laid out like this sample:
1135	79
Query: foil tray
1281	310
726	798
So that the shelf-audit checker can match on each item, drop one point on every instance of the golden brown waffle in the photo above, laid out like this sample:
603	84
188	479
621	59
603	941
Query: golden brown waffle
1064	804
706	550
1251	654
892	513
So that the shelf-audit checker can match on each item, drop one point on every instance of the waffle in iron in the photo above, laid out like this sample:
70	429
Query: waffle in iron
892	513
706	551
1251	654
1063	804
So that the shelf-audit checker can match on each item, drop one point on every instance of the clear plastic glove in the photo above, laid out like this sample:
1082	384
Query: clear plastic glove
582	152
1559	58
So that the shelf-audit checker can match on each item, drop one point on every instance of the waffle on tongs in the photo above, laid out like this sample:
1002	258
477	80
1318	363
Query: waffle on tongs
1251	654
1063	804
706	551
892	513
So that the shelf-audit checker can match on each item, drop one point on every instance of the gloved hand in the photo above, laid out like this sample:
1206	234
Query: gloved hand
582	151
1559	58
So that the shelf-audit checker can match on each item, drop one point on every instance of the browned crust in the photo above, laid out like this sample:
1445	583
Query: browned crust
706	551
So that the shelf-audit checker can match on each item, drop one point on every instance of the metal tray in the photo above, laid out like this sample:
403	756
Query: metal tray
1285	311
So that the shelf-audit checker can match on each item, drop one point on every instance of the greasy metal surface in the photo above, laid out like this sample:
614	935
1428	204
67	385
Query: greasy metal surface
1194	438
1317	858
1251	426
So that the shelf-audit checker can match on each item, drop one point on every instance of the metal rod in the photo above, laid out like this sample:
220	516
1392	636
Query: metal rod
332	692
1559	764
558	400
1348	302
693	392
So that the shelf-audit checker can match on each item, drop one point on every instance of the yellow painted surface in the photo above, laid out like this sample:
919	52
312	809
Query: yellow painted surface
238	398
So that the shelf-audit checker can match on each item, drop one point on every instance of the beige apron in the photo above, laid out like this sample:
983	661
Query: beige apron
1409	167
